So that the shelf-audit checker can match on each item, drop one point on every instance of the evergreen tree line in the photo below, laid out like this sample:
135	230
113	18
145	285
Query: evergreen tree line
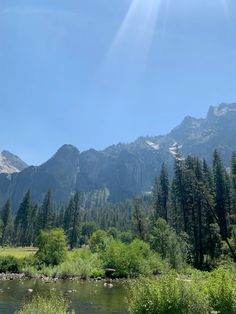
79	223
199	203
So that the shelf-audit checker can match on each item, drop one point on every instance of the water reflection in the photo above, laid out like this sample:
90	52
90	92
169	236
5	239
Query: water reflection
86	297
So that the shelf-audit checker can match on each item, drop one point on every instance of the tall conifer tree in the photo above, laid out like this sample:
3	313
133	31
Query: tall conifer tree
8	227
23	222
221	193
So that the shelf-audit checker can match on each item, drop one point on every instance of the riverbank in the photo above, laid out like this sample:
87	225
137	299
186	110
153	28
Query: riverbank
46	279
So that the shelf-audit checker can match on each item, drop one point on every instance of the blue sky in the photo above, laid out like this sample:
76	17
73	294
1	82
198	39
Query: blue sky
97	72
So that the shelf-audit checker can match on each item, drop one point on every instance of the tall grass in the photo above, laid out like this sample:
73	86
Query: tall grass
81	263
171	294
50	304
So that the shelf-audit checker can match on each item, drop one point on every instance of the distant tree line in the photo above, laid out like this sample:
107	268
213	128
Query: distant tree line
23	228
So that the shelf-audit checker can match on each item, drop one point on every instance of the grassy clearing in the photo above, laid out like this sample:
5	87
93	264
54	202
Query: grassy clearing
18	252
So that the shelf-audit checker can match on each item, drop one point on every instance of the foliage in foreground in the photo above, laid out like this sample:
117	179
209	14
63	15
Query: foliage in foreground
49	304
199	294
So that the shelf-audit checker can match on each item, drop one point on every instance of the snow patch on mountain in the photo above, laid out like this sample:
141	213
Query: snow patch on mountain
6	167
153	145
221	111
174	151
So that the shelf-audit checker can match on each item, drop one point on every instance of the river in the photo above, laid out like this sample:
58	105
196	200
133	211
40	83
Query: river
85	297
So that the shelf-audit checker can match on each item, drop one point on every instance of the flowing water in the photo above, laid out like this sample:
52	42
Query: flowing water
85	297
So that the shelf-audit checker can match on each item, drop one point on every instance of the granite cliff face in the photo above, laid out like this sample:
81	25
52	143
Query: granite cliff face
10	163
59	173
124	169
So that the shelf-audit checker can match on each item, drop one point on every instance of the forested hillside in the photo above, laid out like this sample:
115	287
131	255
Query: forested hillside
192	214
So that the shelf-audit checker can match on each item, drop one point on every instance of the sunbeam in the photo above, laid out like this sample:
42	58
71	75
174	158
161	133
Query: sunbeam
135	35
166	9
225	6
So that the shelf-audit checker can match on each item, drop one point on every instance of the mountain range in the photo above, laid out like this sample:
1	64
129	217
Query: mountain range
124	170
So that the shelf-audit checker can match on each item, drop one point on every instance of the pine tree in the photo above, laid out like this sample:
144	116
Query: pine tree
164	185
179	194
8	227
60	217
161	194
221	194
23	222
68	216
233	188
196	210
46	213
212	232
72	220
138	219
155	197
74	236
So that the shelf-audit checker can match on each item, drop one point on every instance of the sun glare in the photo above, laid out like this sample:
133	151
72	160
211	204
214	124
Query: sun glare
136	31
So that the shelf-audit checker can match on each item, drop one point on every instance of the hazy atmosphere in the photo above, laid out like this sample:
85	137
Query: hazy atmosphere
96	72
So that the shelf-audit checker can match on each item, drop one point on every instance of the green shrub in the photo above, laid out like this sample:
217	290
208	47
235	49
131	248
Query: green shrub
126	237
10	264
201	293
131	260
99	241
30	271
49	304
168	295
221	289
171	247
52	247
81	263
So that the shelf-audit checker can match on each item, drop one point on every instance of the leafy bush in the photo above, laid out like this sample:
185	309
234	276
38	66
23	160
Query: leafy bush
81	263
30	271
164	240
197	294
126	237
99	241
131	260
168	295
10	264
221	289
52	247
49	304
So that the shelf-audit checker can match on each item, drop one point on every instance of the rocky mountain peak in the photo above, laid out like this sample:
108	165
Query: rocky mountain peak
67	149
66	158
10	163
221	111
